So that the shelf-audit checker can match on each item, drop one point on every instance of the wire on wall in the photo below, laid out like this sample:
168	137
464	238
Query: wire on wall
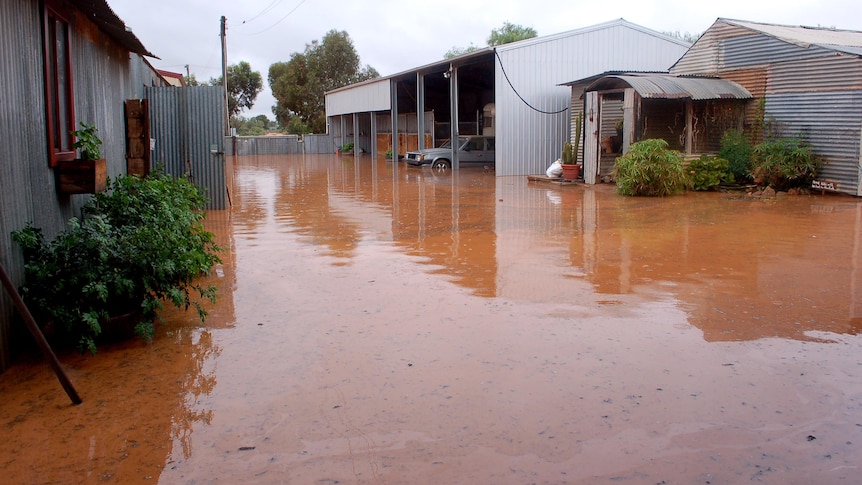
496	54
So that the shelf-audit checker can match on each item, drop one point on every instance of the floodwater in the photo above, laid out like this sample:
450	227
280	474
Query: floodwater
379	324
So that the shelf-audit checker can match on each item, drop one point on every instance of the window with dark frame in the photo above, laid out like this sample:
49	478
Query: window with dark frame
59	95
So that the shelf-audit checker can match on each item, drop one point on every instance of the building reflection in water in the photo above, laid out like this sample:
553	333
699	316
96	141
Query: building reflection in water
742	268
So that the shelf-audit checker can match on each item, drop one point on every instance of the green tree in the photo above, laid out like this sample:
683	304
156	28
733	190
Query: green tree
686	36
243	86
299	84
191	80
460	51
509	33
257	126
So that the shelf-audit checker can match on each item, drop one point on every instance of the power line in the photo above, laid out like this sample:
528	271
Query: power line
265	10
279	20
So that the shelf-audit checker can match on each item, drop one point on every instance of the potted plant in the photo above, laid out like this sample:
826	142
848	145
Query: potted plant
136	246
571	170
347	148
87	174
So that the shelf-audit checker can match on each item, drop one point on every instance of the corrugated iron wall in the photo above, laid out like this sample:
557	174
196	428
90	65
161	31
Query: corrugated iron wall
22	127
279	145
186	124
831	122
527	140
366	97
811	92
104	75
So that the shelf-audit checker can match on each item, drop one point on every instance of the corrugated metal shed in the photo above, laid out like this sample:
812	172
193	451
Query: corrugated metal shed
104	75
532	105
804	36
657	86
186	125
809	78
100	13
532	119
366	97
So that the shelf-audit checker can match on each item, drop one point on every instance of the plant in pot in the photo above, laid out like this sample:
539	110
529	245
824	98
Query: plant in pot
136	246
571	170
87	174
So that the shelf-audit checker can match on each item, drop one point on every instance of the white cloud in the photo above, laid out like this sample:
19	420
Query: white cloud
397	35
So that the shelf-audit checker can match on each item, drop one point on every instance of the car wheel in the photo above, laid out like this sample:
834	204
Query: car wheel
441	166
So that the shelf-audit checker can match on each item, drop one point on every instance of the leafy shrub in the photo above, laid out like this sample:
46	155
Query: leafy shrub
138	244
784	163
736	149
709	172
650	168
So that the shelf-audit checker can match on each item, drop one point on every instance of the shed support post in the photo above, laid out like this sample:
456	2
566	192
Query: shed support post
591	137
453	104
689	126
629	102
355	130
420	109
393	92
373	135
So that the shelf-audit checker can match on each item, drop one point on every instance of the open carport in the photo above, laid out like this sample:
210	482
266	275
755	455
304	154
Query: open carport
514	92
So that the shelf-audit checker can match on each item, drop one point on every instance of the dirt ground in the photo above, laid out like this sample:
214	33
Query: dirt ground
381	325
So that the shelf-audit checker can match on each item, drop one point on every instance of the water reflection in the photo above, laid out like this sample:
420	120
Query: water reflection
742	268
141	401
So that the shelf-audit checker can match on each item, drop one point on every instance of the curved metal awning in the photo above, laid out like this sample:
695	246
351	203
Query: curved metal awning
665	86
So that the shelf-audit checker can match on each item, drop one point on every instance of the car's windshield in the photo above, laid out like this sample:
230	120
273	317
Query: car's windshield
448	143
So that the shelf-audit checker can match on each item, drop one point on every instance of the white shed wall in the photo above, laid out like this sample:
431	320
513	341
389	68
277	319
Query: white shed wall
359	98
528	141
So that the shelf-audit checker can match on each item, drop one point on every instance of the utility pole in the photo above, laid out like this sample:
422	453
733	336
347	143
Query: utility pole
224	75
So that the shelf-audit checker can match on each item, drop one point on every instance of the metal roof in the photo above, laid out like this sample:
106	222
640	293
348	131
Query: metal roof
100	13
665	86
849	41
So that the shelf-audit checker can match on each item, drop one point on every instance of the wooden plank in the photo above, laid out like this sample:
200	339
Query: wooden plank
137	137
81	176
34	329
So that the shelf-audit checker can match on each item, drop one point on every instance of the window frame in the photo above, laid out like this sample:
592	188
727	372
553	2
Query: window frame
59	84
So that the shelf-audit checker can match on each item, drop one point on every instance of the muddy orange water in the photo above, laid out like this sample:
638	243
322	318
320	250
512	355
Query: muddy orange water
382	325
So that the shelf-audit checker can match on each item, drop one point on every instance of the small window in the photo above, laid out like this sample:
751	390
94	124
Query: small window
476	144
59	96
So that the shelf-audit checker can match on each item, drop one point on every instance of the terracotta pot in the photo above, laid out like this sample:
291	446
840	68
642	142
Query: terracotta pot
571	171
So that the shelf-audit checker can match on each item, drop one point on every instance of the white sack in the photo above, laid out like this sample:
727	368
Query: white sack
555	170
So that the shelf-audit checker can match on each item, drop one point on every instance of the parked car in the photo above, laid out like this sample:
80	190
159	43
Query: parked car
472	150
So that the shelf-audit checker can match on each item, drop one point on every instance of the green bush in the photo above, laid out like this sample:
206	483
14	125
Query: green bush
650	168
708	172
137	245
784	163
736	149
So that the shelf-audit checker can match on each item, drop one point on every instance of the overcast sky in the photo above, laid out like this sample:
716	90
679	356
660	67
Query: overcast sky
397	35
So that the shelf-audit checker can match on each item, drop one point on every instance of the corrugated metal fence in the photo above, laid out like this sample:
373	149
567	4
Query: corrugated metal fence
186	126
279	145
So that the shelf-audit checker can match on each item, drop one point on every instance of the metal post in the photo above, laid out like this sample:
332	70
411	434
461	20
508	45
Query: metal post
224	75
420	109
453	115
